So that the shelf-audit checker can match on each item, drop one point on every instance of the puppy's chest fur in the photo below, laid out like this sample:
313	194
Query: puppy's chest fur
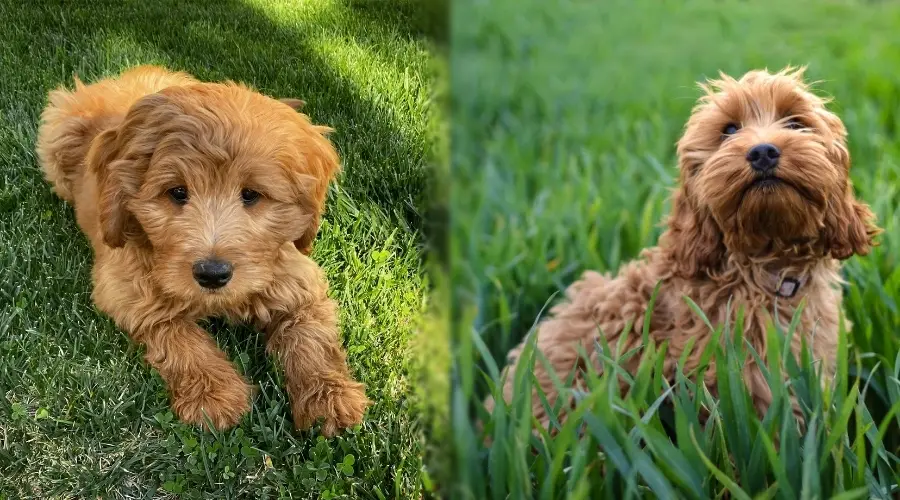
612	303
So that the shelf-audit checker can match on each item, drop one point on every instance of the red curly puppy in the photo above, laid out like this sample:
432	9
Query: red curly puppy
763	214
199	200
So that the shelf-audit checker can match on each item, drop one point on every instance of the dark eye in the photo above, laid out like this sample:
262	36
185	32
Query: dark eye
179	194
249	196
730	129
794	124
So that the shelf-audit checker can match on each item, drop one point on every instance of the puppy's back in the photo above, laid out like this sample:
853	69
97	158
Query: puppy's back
72	118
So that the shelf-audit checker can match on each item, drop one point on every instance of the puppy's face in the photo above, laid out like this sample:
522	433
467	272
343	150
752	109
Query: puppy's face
767	164
214	180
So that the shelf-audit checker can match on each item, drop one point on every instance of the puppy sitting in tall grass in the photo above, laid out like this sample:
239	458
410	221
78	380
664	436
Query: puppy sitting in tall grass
763	214
199	200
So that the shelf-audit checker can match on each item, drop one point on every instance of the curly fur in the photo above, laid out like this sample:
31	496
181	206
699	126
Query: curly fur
726	238
113	149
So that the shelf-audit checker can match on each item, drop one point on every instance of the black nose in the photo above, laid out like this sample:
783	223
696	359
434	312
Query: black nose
211	273
763	157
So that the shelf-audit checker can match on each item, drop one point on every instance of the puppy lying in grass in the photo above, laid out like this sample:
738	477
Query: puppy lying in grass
763	214
203	199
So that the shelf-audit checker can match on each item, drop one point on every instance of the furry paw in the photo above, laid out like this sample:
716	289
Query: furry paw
342	405
224	398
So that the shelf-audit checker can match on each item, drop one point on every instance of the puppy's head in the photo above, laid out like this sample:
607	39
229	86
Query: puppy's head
764	169
213	180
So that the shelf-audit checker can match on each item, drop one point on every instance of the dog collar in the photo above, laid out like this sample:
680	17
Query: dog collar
786	287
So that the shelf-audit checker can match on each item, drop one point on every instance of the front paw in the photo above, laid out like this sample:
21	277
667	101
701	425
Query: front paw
224	399
342	405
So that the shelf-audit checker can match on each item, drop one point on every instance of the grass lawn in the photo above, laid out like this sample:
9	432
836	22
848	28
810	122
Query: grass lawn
81	415
565	119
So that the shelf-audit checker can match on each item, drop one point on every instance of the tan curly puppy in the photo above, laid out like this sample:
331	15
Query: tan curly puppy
763	213
199	200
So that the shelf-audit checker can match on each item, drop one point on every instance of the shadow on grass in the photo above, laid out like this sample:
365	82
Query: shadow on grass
413	19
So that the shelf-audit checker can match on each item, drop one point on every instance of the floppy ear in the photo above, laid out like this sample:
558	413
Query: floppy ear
849	226
114	218
693	239
120	157
318	165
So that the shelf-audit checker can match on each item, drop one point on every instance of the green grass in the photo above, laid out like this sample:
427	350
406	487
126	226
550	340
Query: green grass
80	414
564	123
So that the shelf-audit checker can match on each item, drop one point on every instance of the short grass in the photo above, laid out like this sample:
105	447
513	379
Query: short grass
80	414
564	123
